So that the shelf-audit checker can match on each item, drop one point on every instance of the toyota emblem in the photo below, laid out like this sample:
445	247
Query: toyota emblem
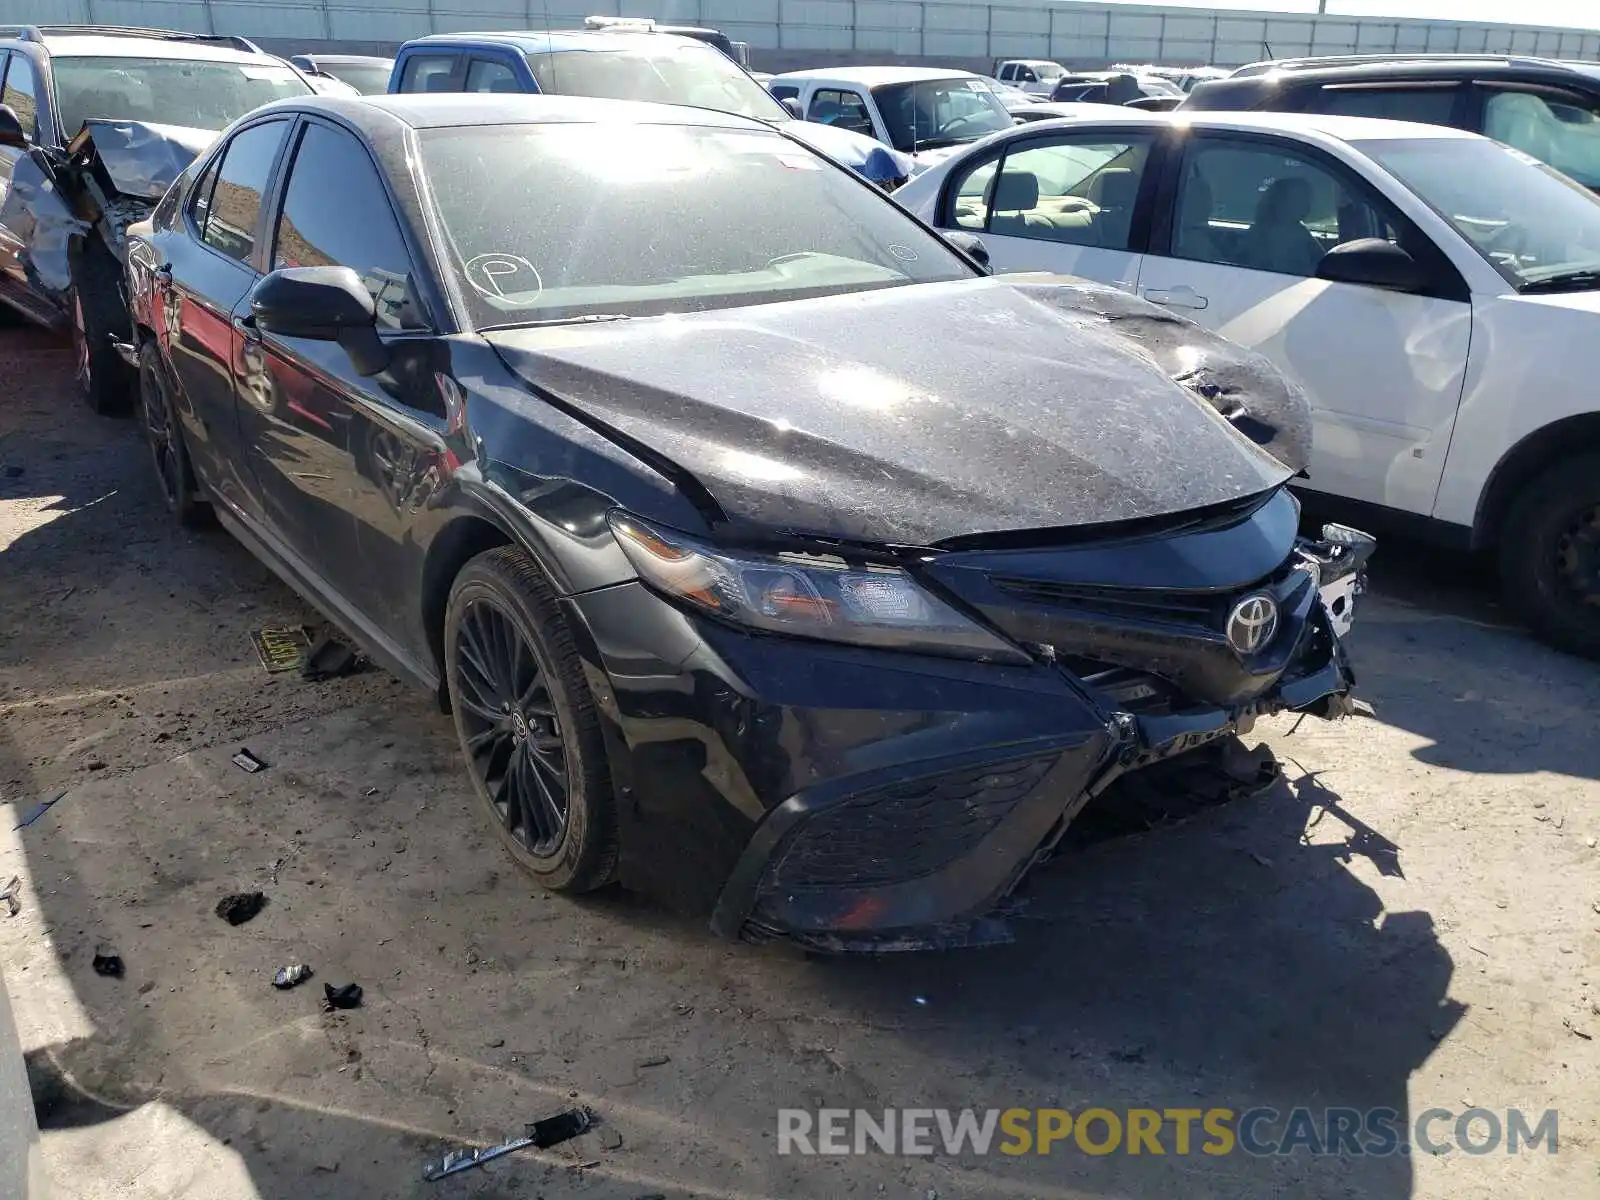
1253	623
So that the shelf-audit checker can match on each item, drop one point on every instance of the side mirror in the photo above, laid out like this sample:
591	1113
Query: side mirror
792	107
11	133
1373	262
323	304
972	247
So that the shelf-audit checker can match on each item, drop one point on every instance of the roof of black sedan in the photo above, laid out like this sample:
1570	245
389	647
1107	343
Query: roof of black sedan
444	110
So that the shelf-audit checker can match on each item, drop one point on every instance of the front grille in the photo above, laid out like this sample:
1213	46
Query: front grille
906	830
1148	604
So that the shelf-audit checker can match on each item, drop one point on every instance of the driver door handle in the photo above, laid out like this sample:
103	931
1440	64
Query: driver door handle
246	325
1182	296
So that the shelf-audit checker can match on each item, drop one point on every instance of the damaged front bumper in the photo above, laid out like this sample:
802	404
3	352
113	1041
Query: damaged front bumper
851	799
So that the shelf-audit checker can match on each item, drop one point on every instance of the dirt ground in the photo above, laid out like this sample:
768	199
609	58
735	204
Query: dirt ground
1411	920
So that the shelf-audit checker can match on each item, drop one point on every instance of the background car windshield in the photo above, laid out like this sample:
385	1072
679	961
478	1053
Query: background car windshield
555	222
1530	221
674	73
368	80
939	112
167	91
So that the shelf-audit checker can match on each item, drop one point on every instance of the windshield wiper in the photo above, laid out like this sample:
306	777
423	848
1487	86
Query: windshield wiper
1585	280
585	319
939	143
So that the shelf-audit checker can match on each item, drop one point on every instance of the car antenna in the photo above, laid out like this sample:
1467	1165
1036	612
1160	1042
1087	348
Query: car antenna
549	51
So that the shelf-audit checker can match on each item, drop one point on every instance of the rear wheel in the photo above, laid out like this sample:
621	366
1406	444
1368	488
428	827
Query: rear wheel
98	315
1550	556
527	723
164	435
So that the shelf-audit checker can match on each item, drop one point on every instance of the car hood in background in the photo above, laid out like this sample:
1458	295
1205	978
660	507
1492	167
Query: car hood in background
143	158
867	156
920	413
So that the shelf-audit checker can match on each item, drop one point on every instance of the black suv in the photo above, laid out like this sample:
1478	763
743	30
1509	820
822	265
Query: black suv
95	123
1545	108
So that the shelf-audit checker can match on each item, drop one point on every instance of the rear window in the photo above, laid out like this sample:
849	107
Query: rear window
557	222
167	91
674	72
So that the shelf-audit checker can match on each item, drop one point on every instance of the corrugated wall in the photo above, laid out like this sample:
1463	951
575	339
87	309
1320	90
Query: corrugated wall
788	33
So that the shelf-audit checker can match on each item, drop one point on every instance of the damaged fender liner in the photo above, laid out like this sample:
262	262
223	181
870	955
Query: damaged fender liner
111	175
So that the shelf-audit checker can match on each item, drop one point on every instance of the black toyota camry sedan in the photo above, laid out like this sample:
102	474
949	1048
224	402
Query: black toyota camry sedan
770	556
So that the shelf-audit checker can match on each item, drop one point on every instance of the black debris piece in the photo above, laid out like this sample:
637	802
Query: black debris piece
108	964
291	976
540	1135
246	761
348	996
240	907
39	810
329	659
12	896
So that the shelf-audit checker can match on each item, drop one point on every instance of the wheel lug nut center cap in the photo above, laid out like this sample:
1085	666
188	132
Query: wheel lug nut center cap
519	726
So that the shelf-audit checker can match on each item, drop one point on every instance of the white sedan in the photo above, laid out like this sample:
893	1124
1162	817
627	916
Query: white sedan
1438	294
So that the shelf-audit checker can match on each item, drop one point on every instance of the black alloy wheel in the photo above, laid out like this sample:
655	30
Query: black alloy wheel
1550	555
97	316
511	732
527	724
163	434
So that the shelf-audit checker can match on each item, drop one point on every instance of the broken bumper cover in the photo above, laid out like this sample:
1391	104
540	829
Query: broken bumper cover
852	799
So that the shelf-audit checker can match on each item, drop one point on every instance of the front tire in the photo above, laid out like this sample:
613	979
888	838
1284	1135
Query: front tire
164	435
528	726
99	314
1550	556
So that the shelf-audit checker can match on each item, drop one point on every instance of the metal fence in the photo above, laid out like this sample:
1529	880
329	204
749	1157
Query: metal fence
785	33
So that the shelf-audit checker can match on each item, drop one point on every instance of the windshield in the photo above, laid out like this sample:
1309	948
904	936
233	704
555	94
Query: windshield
1531	222
939	112
370	79
673	73
167	91
561	222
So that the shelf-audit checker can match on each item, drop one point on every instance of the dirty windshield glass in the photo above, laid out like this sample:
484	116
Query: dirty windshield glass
368	79
562	222
939	112
1537	227
167	91
675	72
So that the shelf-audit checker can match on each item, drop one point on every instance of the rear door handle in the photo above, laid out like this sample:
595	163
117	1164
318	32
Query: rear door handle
1182	296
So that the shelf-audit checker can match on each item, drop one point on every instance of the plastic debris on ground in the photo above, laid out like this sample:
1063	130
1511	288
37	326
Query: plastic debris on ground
291	976
540	1135
240	906
329	659
12	896
39	810
348	996
246	761
281	648
108	964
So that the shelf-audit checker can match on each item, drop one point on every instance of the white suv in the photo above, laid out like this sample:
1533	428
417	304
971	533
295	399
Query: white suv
1036	76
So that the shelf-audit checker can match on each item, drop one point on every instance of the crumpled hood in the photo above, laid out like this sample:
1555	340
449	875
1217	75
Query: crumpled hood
143	158
862	154
915	414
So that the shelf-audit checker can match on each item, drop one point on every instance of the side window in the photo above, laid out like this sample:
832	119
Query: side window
1026	75
1007	71
844	109
1556	128
969	196
200	196
1268	208
428	73
784	91
19	94
1076	190
490	75
1429	106
337	214
234	205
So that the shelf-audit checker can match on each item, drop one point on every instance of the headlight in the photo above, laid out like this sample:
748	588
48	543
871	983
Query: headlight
806	595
